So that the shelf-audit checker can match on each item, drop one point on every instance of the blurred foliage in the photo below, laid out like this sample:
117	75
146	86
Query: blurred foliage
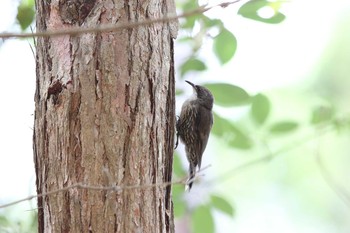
11	222
24	223
225	45
192	64
222	205
322	114
251	10
26	13
237	133
202	219
260	108
198	28
230	133
228	95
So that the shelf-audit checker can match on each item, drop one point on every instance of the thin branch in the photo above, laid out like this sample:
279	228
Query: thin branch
34	42
327	176
114	188
264	159
112	27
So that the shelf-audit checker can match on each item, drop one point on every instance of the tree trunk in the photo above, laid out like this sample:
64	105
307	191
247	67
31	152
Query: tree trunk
104	116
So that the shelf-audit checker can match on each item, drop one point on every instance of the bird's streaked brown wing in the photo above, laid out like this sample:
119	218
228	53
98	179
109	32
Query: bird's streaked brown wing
204	121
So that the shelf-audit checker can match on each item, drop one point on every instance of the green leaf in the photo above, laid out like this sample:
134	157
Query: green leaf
251	8
283	127
230	133
322	114
202	220
189	22
189	5
192	64
208	22
222	204
225	45
220	125
4	221
228	95
25	14
260	108
241	141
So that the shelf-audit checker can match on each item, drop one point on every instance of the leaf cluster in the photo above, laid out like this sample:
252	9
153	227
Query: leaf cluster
238	133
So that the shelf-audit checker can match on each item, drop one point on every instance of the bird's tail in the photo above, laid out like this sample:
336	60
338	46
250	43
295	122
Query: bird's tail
192	174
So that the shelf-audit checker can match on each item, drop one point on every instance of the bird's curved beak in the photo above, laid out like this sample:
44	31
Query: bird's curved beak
190	83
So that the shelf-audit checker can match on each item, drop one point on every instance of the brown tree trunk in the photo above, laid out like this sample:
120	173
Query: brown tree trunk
104	116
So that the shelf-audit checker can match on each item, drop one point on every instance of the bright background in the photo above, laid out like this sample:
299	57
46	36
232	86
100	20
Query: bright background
303	61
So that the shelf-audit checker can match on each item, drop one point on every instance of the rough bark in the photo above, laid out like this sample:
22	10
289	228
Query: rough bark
104	116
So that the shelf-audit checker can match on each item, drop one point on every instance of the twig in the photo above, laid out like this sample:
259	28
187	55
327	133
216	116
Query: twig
339	190
113	188
34	41
264	159
96	188
112	27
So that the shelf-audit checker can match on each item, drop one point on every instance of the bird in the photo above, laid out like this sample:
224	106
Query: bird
193	127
